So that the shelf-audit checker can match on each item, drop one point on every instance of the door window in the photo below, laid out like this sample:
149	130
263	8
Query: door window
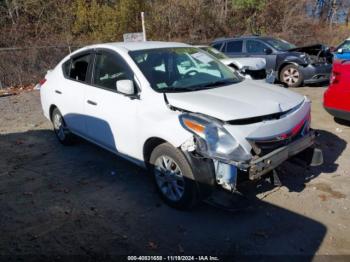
79	68
234	47
255	47
109	69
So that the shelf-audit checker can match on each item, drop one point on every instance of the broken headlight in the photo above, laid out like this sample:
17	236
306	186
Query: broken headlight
213	140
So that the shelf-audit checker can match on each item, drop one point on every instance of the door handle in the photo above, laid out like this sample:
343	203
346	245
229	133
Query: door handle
92	103
58	92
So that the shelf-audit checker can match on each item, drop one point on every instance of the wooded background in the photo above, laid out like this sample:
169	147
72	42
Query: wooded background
36	34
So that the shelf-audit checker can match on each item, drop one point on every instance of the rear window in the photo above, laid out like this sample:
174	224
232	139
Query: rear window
234	47
217	46
66	68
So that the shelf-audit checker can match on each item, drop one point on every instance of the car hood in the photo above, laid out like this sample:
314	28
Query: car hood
250	63
242	100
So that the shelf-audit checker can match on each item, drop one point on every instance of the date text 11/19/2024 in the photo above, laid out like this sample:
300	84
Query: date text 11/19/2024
173	258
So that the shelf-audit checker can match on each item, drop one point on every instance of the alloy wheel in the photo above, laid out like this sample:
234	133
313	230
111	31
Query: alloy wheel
169	178
291	76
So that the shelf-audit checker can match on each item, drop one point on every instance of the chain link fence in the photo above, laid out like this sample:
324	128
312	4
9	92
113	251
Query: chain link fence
23	66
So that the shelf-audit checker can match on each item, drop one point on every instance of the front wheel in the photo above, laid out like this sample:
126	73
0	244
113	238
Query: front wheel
291	76
173	177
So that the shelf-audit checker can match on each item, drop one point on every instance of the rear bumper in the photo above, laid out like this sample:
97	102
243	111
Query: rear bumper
342	114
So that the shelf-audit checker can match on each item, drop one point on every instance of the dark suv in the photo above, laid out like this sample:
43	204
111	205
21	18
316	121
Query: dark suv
285	62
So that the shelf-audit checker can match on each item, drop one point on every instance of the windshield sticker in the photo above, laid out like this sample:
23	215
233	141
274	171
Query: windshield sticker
202	57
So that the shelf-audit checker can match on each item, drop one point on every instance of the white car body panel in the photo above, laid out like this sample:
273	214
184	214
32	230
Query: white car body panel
251	63
123	125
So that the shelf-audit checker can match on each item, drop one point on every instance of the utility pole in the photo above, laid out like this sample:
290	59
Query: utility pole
143	26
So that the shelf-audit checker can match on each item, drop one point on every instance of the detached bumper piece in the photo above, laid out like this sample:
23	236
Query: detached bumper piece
261	166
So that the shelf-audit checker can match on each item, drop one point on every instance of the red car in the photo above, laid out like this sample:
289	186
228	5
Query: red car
337	97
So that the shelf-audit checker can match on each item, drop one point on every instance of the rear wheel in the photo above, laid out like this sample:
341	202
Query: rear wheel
59	126
291	76
173	177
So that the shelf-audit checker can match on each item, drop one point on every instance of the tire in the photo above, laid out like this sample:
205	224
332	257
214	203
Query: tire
173	177
62	133
291	76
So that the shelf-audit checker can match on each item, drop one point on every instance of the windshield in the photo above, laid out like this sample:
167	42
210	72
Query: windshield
279	44
182	69
345	46
214	52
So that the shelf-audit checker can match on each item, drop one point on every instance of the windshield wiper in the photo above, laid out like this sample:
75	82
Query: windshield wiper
197	87
218	83
176	89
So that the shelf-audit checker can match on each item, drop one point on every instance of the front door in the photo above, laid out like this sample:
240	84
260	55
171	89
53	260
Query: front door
110	116
256	48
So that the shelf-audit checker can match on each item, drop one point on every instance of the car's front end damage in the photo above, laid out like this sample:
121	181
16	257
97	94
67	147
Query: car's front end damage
314	63
247	148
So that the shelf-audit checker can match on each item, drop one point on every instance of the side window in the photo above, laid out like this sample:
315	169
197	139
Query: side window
109	69
255	46
79	67
234	46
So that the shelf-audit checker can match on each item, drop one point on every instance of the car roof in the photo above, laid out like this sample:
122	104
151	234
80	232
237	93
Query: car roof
134	46
201	46
242	38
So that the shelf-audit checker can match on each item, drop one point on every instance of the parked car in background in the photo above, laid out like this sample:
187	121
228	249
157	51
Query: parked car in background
337	97
291	65
342	52
196	126
254	68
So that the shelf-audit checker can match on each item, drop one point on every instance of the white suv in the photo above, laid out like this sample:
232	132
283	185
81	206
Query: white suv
195	125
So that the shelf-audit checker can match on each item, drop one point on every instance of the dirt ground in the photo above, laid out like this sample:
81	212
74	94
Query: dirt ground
83	200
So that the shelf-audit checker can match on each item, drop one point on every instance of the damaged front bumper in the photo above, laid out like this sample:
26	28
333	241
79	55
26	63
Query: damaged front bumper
226	173
260	166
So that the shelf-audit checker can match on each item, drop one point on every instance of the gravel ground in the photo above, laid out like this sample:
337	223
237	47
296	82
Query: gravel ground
83	200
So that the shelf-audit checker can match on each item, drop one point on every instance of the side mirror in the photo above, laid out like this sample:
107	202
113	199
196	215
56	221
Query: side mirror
125	87
268	51
340	51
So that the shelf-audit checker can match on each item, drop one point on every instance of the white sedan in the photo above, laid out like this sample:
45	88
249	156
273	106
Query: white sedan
195	125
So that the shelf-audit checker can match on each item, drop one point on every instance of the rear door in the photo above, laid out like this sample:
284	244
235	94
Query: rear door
72	91
110	116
